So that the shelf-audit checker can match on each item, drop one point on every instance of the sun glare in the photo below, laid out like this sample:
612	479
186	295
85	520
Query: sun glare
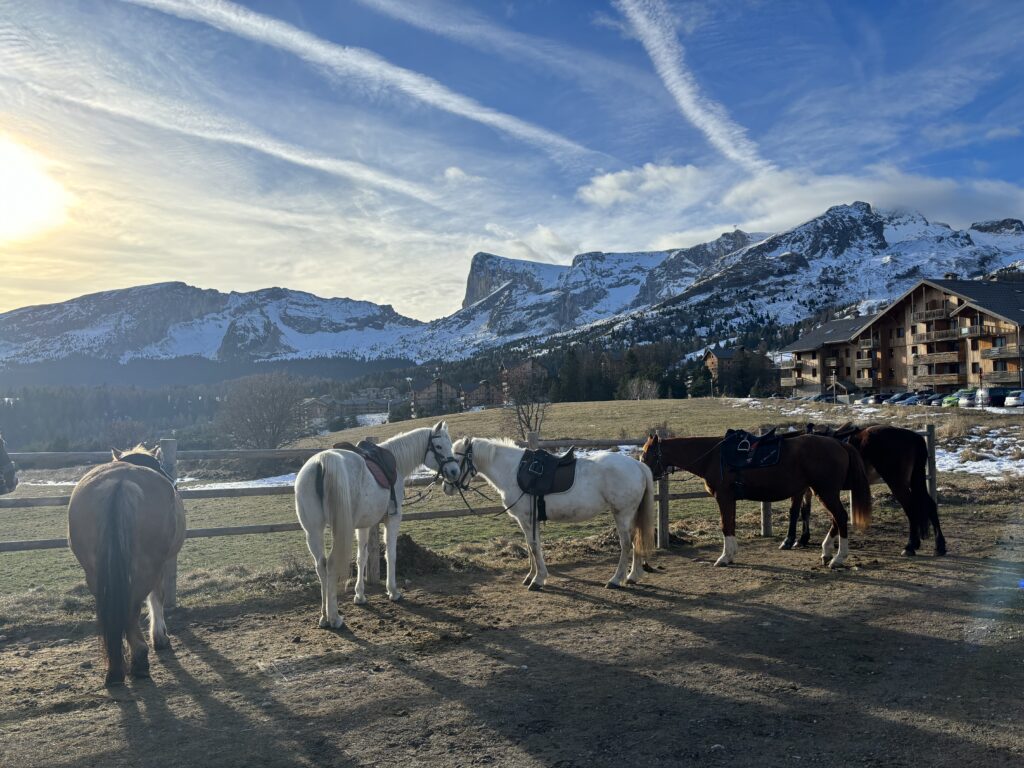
31	201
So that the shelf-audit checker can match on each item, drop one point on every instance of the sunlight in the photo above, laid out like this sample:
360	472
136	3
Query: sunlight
31	201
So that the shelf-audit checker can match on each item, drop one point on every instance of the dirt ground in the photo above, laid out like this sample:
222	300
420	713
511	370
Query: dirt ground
772	661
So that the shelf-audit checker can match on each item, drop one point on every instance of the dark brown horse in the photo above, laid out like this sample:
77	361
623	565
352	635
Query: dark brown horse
8	472
893	455
823	464
125	522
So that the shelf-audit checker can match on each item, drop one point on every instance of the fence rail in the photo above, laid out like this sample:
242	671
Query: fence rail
171	455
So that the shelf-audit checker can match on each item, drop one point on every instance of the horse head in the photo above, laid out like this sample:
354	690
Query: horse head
651	456
8	471
439	454
463	449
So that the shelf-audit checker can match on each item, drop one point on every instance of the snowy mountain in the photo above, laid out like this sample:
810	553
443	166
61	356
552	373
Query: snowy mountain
850	254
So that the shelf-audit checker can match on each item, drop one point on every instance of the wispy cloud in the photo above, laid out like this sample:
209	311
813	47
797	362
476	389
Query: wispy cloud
348	62
672	184
654	27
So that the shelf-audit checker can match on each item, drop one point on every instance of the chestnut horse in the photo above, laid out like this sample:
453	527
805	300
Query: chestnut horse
825	465
893	455
8	472
125	522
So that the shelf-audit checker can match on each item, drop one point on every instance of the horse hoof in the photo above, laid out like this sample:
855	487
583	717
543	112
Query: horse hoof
787	544
535	587
113	681
908	552
141	673
612	585
161	643
804	541
649	568
395	597
721	562
834	565
527	580
940	547
632	582
323	623
360	600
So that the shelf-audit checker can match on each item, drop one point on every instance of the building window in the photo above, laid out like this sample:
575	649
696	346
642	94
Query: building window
913	350
975	367
900	332
999	341
847	371
974	345
999	365
814	373
814	355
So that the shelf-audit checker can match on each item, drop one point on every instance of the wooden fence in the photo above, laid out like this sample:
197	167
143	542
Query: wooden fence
171	455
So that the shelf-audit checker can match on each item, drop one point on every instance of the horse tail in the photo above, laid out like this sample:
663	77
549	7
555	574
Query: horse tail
857	482
335	513
114	568
924	504
643	523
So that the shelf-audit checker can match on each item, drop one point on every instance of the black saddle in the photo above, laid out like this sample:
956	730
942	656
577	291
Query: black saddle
145	460
542	473
745	450
374	454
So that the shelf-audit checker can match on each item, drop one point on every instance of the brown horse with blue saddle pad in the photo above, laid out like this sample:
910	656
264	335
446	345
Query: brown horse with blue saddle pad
770	468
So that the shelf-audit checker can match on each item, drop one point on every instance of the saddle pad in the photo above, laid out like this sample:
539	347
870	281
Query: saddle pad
542	473
743	450
380	461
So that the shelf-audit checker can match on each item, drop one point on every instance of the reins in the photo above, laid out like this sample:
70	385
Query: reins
667	471
468	471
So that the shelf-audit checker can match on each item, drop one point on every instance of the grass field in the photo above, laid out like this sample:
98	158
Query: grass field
57	572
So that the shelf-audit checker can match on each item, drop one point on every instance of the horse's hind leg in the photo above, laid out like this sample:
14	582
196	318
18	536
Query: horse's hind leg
137	645
837	534
157	627
362	564
906	500
339	565
727	509
794	514
805	519
391	533
525	527
315	542
625	549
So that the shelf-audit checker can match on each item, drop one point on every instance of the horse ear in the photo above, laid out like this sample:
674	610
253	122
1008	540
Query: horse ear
115	454
437	427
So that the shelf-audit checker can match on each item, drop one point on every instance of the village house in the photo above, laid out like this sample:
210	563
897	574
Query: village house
434	396
528	378
315	412
940	335
720	362
482	394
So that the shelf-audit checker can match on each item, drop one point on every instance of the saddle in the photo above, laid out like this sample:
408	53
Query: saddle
380	461
541	473
744	450
147	461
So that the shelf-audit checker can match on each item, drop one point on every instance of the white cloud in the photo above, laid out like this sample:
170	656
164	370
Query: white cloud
1003	132
667	185
355	63
455	175
655	27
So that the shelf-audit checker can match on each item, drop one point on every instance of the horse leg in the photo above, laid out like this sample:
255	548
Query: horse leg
315	543
362	564
794	513
625	547
525	527
805	517
538	558
727	510
339	565
157	627
838	531
391	532
906	500
137	645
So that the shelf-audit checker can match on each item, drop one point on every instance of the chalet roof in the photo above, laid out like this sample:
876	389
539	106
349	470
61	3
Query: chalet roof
1002	299
832	332
727	353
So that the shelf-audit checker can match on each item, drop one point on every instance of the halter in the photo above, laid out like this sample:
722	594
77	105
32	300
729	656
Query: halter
439	457
467	471
666	471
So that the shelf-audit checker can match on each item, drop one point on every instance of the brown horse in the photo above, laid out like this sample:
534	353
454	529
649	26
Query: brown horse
8	472
825	465
125	521
893	455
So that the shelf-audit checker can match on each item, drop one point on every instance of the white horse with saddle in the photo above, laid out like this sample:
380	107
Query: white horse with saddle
601	481
346	491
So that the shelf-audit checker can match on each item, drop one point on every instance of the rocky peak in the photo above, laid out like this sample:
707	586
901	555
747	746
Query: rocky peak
1000	227
488	272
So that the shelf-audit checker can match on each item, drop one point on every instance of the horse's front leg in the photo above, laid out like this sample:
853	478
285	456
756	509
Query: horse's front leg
805	518
538	558
727	510
838	533
906	500
391	523
794	514
157	627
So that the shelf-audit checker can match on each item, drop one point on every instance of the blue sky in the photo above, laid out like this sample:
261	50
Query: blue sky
367	148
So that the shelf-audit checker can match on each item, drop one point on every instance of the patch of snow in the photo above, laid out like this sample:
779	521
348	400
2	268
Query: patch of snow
371	419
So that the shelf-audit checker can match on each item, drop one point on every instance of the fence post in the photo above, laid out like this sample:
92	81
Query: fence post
663	533
933	480
169	459
373	566
766	519
533	440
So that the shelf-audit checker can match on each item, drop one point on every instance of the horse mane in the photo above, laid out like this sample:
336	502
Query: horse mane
140	448
406	449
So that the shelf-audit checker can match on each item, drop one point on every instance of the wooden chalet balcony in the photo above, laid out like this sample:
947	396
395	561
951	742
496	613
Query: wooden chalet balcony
942	378
791	365
791	381
1001	377
864	362
934	313
868	344
1010	351
865	379
831	362
960	332
937	357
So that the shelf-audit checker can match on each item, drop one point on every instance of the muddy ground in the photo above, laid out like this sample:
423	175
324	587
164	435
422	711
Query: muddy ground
772	661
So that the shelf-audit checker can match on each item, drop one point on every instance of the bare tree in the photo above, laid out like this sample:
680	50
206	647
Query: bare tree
527	406
263	411
641	389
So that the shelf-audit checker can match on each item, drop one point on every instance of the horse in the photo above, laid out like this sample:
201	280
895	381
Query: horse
125	522
8	470
893	455
807	461
602	481
336	488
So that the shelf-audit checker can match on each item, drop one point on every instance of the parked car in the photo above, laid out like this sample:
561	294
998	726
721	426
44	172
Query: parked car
968	399
953	400
897	397
994	396
936	399
1015	399
877	399
912	400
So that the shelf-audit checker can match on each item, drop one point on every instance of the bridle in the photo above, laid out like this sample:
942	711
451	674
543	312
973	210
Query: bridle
467	469
665	471
439	457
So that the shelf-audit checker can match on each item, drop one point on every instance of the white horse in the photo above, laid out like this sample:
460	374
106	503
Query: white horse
352	500
602	481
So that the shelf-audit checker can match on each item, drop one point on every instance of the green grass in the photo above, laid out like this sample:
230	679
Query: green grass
57	570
